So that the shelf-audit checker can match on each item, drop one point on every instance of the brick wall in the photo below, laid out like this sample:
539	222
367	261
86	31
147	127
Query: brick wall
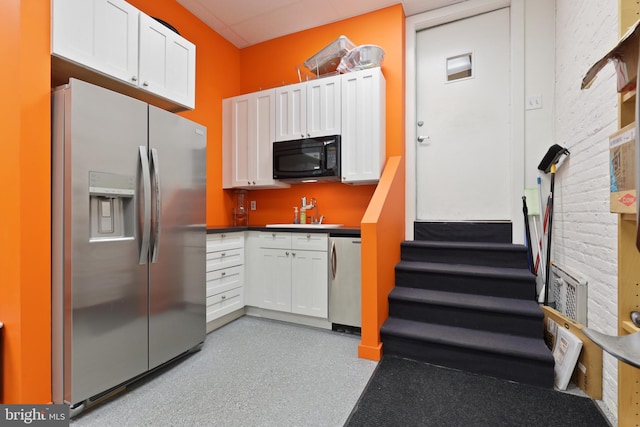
584	232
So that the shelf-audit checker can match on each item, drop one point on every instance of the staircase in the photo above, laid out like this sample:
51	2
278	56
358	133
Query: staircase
465	299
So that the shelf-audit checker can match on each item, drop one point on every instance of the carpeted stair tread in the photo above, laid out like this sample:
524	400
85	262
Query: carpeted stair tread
490	246
488	342
466	270
491	254
492	304
463	231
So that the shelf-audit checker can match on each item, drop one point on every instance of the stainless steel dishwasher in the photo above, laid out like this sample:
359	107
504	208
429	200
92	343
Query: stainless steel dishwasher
345	308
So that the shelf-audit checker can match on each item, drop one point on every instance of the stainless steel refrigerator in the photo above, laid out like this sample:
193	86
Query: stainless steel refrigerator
128	240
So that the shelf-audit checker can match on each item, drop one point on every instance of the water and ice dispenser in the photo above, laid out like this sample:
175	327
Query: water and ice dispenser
111	206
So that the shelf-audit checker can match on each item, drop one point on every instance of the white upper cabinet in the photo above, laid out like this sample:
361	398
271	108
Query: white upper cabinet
352	105
111	38
100	34
363	126
291	117
248	134
167	62
309	109
323	107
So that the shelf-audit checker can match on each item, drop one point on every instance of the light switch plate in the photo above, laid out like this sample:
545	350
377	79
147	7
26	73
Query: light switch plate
253	205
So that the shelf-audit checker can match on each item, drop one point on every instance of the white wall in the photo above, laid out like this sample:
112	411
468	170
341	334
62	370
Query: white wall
584	232
539	81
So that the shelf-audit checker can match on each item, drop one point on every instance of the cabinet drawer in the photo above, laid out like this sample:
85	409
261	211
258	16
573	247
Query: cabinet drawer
275	240
310	241
224	303
223	259
222	241
224	279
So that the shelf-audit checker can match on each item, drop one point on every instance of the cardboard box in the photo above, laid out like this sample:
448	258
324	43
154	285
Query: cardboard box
625	59
622	167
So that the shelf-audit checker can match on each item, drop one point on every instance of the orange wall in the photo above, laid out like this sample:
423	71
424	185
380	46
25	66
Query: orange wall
24	206
273	63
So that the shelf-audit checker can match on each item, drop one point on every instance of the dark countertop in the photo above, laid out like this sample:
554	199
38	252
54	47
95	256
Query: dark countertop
337	232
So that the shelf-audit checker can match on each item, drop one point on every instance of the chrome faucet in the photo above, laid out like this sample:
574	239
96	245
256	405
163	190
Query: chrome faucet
313	204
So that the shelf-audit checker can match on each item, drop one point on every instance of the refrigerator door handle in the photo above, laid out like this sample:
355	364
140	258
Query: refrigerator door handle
146	212
334	261
155	166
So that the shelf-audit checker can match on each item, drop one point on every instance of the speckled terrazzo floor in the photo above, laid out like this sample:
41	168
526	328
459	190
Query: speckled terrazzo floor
251	372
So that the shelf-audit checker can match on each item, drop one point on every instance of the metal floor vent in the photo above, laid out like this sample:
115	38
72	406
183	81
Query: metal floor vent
570	293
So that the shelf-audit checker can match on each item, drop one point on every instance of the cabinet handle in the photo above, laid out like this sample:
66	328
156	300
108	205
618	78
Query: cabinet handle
145	84
308	236
248	182
273	235
224	273
134	79
223	236
286	253
223	297
254	183
293	254
223	254
302	135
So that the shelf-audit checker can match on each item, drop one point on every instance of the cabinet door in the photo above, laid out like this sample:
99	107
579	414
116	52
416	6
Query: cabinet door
239	140
99	34
263	119
291	119
363	126
310	283
275	267
324	106
167	62
247	141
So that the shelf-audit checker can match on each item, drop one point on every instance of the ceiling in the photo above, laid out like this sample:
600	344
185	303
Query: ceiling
247	22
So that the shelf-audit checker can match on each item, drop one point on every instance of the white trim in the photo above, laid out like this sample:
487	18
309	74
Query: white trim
449	14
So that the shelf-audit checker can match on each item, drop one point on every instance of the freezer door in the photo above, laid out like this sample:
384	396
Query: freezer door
99	287
177	309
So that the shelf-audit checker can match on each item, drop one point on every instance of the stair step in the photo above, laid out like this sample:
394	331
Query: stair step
506	255
480	312
516	358
463	231
472	279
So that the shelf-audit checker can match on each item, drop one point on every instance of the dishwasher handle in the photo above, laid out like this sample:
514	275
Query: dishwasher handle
334	261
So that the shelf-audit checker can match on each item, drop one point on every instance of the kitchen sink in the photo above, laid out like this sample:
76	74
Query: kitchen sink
307	226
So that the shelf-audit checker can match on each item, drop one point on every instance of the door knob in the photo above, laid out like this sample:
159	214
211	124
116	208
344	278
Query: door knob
423	138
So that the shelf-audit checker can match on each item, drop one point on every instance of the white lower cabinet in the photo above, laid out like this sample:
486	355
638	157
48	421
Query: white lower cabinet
292	273
225	274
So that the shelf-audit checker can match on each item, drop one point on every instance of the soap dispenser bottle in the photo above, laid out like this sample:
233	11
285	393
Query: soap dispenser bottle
296	220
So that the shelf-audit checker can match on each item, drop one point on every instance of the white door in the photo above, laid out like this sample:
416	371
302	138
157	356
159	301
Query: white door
463	159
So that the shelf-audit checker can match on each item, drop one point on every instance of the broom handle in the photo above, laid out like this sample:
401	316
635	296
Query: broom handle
525	211
548	270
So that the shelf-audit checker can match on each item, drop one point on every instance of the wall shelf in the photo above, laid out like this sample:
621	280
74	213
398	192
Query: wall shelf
628	258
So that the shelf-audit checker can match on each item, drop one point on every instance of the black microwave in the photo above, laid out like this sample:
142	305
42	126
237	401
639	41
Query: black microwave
309	159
